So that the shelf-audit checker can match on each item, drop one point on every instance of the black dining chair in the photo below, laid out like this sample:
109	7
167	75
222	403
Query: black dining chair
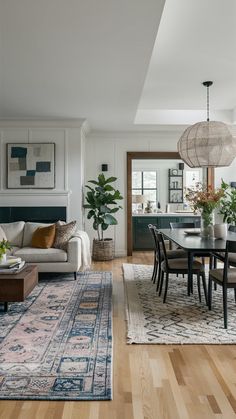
221	255
225	277
177	266
171	254
198	254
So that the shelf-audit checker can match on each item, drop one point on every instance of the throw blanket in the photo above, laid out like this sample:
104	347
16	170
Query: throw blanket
85	249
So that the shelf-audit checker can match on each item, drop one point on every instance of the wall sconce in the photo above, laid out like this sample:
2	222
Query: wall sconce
104	167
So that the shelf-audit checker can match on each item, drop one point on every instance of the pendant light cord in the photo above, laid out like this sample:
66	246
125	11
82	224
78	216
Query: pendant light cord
208	104
207	84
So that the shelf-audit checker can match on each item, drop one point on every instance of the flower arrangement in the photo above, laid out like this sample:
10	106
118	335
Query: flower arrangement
4	246
205	200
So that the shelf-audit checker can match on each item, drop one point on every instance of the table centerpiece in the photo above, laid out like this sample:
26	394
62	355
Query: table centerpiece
205	200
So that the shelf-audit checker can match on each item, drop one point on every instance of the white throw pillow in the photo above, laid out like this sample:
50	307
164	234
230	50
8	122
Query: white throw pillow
29	230
14	232
2	235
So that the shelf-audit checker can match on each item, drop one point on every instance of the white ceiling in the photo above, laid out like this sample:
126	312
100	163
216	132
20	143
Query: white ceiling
196	42
76	58
91	59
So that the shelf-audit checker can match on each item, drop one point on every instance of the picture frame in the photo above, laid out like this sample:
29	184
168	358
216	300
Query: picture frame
30	165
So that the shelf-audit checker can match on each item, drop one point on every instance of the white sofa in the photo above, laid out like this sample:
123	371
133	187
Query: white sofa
19	234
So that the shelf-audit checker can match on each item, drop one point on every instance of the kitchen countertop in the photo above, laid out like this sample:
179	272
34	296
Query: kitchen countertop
167	214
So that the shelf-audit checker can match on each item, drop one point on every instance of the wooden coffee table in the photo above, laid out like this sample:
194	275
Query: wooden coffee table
16	287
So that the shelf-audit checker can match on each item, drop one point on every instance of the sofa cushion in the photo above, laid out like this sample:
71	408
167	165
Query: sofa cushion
35	255
43	237
63	234
13	250
29	230
14	232
2	235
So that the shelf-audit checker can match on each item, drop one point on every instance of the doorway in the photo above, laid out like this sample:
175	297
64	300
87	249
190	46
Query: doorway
136	155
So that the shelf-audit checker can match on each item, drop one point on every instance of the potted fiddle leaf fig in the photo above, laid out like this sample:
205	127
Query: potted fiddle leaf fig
102	205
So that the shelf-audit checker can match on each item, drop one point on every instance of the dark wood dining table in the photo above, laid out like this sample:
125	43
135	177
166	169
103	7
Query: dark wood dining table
195	244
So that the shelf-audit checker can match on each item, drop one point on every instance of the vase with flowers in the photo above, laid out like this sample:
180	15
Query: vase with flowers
4	246
205	200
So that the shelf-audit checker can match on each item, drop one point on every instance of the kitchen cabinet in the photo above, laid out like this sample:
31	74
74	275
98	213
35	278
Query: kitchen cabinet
142	239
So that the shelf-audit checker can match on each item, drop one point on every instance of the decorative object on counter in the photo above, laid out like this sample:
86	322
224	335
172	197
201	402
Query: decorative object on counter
139	200
4	246
149	208
102	204
228	203
220	231
207	143
206	201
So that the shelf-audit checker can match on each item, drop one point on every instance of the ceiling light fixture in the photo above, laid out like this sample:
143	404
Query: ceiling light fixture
208	143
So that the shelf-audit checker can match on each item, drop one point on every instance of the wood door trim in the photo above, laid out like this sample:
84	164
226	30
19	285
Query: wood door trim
131	155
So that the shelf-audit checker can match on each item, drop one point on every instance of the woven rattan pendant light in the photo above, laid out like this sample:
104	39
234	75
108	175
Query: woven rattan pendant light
208	143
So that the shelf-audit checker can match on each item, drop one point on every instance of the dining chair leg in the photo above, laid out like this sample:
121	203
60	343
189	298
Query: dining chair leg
204	287
225	306
161	284
198	287
154	275
154	267
235	295
158	277
211	260
209	293
215	266
166	287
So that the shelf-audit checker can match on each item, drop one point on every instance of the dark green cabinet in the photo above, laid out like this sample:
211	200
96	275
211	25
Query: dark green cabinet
142	239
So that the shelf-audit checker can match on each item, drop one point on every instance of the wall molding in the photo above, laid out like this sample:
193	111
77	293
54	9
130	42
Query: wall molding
34	192
39	123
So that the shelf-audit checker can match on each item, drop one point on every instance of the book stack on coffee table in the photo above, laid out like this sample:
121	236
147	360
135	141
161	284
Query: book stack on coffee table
12	265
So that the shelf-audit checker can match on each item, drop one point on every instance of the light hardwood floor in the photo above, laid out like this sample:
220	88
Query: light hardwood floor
149	381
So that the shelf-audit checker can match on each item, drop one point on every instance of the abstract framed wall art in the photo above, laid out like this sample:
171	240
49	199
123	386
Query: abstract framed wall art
31	166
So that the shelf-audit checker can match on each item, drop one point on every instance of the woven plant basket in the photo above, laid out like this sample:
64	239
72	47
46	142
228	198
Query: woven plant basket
103	249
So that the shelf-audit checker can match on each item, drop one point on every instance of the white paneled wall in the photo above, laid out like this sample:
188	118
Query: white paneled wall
111	148
68	137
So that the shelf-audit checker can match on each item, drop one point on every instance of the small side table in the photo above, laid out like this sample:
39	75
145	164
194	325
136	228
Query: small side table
16	287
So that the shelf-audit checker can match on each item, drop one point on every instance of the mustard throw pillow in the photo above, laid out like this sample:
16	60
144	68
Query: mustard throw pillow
43	237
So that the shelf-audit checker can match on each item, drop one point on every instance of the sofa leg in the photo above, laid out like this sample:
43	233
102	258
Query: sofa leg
75	276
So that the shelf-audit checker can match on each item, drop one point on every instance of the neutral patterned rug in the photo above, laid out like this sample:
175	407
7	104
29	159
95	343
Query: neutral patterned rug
181	320
57	345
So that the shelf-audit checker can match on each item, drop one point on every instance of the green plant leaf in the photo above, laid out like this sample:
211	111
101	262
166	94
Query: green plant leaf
93	181
114	210
109	219
90	214
111	179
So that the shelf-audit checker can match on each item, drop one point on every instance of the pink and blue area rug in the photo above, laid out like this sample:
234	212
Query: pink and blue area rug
57	345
